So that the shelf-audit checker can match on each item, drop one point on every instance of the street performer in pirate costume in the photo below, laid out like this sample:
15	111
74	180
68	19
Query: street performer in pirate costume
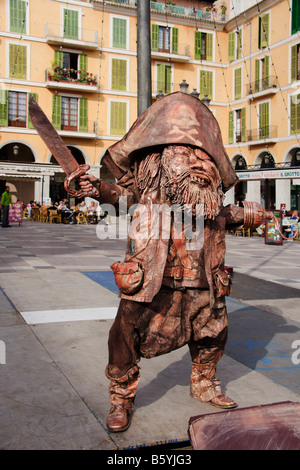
172	288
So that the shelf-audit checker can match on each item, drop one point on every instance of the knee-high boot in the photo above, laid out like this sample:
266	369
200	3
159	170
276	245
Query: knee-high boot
122	393
206	387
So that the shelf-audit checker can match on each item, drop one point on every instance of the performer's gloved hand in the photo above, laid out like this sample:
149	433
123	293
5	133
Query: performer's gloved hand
255	214
89	182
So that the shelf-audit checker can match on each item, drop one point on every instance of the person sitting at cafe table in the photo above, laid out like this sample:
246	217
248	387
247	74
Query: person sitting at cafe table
80	208
290	225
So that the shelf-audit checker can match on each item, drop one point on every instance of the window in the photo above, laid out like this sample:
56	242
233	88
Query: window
263	30
17	104
164	78
295	16
118	117
119	33
74	63
119	74
206	84
71	23
164	39
295	114
295	63
17	16
264	124
235	45
69	113
237	126
17	61
14	108
237	83
203	46
262	74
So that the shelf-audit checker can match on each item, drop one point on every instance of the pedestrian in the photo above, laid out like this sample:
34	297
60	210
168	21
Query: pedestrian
6	202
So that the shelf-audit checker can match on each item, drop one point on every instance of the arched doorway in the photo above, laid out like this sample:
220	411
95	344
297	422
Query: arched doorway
240	189
15	154
268	185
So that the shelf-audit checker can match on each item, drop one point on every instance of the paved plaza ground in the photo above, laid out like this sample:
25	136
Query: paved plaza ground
57	303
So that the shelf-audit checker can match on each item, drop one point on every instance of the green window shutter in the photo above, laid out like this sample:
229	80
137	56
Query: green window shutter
209	46
29	123
264	30
175	40
17	16
83	115
83	66
154	37
119	74
231	46
243	125
119	33
240	44
231	127
56	111
118	118
295	115
295	16
264	131
70	24
294	63
17	61
3	107
164	82
257	66
267	72
58	58
237	84
198	45
168	71
206	84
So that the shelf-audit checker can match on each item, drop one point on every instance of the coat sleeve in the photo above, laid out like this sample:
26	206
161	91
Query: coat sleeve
251	215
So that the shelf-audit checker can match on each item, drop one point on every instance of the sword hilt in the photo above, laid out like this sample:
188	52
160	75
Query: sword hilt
80	171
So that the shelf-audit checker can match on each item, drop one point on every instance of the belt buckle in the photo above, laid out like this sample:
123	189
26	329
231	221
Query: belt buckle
178	273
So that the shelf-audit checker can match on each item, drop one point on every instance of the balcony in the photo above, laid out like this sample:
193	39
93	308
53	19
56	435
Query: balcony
88	131
66	79
165	8
263	87
262	135
179	54
84	38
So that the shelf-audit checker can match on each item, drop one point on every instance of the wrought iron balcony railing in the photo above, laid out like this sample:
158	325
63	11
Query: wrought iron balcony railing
264	132
263	84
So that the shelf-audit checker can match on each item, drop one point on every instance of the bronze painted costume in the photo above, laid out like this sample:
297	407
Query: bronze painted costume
173	156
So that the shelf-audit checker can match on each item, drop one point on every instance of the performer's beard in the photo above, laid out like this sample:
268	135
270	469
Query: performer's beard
197	189
194	188
189	191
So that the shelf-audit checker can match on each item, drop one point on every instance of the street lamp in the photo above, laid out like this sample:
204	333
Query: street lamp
206	100
184	86
16	150
159	95
195	93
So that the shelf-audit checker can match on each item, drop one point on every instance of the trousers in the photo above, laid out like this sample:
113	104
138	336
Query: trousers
173	319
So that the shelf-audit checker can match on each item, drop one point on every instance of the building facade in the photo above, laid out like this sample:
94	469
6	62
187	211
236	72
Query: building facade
79	61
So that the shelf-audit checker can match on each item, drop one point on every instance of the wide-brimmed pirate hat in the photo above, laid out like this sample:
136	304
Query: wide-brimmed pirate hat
177	118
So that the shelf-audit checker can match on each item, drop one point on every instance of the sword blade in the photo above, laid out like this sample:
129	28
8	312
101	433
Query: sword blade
51	138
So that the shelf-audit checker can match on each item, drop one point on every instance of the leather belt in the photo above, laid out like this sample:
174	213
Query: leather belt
179	272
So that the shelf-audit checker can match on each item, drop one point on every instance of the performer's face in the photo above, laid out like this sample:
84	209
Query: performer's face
192	178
